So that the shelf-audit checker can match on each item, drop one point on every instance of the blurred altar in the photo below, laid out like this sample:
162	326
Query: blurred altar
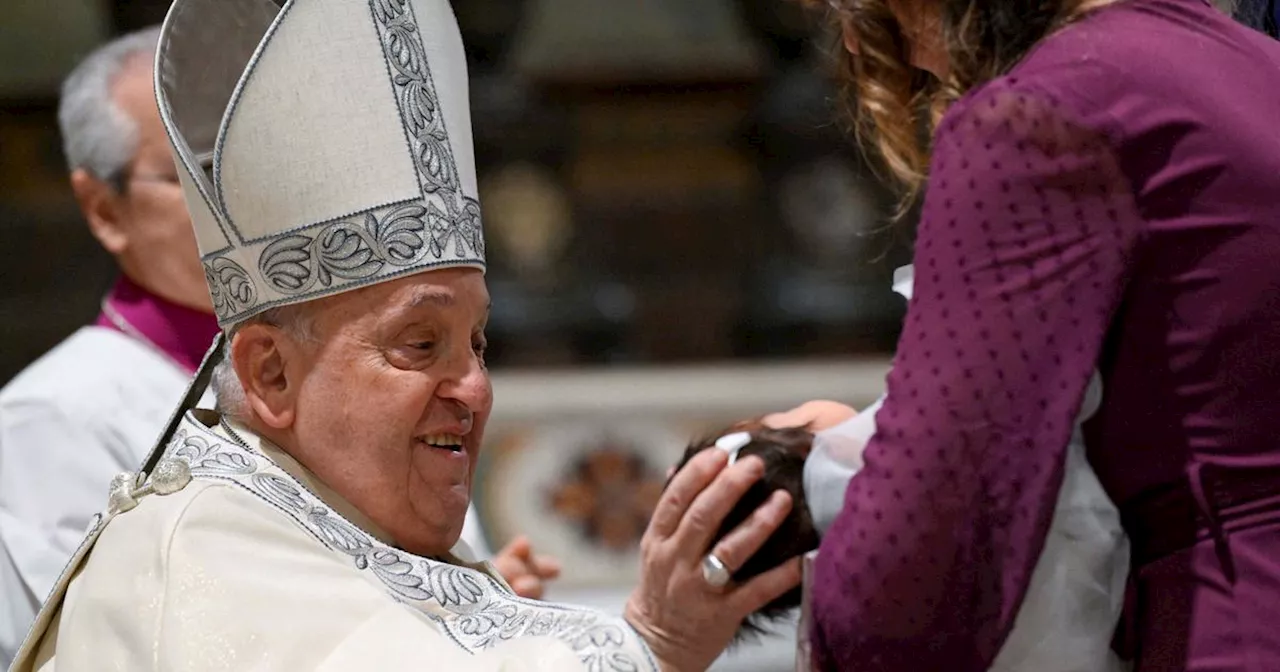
575	459
680	235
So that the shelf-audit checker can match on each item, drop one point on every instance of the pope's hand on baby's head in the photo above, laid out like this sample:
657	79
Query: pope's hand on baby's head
783	452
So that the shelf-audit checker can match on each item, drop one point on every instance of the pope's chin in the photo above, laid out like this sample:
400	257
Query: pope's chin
441	494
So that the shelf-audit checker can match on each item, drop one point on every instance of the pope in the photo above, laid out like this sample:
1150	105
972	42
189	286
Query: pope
311	521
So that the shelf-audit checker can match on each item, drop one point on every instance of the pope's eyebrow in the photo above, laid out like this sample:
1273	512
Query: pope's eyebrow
441	298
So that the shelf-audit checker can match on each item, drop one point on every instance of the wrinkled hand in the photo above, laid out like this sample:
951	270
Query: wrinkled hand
686	622
526	572
816	415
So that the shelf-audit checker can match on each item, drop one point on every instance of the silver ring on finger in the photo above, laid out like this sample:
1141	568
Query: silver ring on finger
715	572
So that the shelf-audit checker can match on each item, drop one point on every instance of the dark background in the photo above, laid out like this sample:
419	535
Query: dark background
677	173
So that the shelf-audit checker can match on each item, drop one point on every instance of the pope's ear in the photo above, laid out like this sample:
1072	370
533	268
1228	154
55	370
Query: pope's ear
259	354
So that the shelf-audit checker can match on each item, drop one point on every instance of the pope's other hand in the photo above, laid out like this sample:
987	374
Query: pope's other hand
525	571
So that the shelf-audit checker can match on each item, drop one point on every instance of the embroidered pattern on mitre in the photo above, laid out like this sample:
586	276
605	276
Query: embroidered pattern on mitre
279	217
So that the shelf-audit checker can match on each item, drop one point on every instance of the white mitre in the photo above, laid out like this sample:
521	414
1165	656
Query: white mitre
323	145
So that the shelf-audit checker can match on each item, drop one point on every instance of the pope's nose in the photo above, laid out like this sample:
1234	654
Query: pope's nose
460	413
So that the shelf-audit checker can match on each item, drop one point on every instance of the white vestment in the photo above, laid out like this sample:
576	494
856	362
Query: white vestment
256	565
87	410
1072	605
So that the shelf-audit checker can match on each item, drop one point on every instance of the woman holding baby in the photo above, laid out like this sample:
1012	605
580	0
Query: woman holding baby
1099	240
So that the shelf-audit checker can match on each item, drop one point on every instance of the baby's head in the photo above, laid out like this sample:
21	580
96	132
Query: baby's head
783	452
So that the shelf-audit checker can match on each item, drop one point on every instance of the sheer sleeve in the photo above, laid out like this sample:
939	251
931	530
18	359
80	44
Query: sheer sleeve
1021	255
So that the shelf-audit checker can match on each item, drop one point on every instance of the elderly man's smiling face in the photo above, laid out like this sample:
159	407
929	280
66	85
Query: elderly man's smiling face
386	403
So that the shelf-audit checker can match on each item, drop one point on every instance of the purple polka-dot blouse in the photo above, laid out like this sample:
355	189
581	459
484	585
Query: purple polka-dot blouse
1113	202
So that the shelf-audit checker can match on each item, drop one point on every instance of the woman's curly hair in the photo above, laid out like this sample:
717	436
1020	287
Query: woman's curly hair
892	104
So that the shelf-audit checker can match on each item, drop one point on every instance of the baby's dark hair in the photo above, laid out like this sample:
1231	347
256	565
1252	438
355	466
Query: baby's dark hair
783	452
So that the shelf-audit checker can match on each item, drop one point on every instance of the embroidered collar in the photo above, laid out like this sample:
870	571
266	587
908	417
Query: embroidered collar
471	606
253	442
180	333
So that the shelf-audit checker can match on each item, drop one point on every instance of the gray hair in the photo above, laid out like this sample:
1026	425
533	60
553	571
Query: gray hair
297	320
96	134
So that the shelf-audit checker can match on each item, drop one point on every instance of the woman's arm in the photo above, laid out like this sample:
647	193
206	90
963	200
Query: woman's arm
1021	258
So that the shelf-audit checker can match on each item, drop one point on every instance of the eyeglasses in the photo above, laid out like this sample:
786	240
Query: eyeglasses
155	179
120	181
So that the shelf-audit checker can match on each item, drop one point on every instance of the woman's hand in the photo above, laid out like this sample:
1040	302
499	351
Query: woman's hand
526	572
816	415
686	621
